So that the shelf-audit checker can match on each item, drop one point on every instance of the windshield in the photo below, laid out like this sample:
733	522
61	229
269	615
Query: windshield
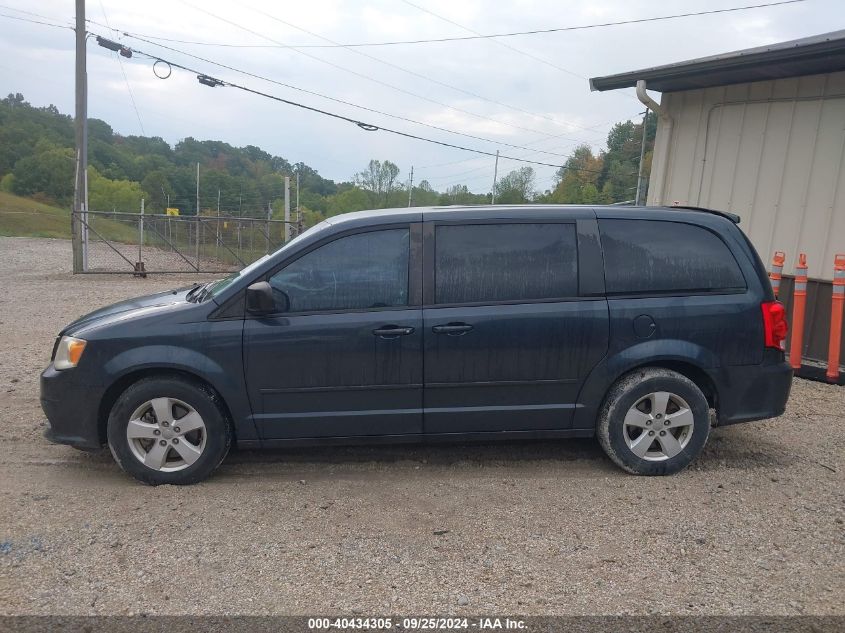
214	288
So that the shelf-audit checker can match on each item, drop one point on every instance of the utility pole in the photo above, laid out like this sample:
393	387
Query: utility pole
640	189
80	191
411	187
495	176
287	209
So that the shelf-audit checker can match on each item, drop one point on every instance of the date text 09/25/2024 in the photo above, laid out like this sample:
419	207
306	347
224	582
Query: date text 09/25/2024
415	624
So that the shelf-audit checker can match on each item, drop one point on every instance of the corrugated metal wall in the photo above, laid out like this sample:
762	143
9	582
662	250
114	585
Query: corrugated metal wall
771	151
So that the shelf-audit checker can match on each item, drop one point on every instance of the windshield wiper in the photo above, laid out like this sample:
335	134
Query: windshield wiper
195	291
205	290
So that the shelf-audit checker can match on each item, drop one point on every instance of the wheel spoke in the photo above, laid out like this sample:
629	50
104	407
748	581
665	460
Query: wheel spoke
640	445
136	429
163	408
637	418
156	456
659	402
669	444
190	422
187	451
683	417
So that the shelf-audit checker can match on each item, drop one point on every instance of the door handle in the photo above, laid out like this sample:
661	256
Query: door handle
393	331
452	329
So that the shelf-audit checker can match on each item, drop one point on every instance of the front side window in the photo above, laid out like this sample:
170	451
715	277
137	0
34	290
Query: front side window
653	256
356	272
505	262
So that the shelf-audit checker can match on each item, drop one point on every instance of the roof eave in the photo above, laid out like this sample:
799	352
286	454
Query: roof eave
775	63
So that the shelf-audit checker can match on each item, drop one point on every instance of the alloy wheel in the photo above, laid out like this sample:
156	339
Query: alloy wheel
658	426
166	434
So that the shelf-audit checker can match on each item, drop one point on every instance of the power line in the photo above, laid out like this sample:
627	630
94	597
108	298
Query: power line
495	41
215	82
365	76
37	15
125	78
341	101
15	17
487	36
533	149
532	152
420	75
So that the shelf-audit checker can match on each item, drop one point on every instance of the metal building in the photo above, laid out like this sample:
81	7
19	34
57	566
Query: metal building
759	132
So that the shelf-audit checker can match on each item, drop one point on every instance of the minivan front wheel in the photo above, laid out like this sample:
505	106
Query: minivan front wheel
168	430
654	422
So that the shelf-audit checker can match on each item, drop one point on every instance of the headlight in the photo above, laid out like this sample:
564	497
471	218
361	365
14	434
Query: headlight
68	352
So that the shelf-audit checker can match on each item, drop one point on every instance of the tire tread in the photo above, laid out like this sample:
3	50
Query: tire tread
608	413
153	478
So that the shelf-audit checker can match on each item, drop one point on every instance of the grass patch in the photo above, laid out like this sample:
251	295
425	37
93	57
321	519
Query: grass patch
22	217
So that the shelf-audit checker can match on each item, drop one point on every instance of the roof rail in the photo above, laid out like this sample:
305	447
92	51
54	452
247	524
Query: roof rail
733	217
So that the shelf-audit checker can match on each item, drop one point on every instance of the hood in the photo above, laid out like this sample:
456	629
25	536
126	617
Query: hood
122	308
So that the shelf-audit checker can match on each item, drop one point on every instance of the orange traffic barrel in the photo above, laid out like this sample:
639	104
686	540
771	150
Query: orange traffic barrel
777	270
799	303
836	304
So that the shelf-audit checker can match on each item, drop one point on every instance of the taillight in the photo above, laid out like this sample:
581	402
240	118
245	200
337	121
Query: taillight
775	326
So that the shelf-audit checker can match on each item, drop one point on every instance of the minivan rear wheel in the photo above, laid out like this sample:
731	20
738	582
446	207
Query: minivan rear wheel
168	430
654	421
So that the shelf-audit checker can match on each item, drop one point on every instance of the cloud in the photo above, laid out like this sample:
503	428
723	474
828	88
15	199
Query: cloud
39	61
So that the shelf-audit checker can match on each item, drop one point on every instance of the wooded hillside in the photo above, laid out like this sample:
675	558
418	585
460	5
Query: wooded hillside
37	160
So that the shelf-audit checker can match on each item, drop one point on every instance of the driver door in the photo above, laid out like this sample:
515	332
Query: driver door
342	355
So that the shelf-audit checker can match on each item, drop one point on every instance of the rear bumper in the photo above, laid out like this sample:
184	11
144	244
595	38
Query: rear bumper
755	392
71	407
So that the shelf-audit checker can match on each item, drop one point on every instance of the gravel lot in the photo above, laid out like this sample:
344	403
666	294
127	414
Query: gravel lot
755	527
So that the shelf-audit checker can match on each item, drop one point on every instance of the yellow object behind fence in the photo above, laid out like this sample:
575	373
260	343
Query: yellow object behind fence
172	211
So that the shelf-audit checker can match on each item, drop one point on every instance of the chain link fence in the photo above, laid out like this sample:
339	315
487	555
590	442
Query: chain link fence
115	242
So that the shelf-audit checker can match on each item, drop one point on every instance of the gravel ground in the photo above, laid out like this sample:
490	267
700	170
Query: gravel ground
754	527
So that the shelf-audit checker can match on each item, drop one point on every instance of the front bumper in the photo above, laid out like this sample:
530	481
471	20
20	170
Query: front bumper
755	392
71	407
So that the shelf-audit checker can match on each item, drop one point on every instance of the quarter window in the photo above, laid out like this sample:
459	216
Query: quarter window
505	262
356	272
653	256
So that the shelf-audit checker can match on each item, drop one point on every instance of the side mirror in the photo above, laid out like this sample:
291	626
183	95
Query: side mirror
259	298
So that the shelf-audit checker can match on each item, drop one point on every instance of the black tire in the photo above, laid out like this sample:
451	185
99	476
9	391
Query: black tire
628	391
218	431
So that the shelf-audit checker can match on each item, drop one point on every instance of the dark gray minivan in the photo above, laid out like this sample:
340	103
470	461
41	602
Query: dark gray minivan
425	324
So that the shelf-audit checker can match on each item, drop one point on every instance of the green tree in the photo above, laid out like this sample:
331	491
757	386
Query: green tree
517	187
350	199
105	194
424	195
49	173
379	180
577	180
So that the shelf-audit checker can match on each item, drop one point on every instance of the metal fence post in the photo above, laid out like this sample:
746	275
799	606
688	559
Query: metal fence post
269	213
141	233
198	241
84	237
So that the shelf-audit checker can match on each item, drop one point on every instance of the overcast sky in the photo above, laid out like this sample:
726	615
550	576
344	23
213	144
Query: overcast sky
536	96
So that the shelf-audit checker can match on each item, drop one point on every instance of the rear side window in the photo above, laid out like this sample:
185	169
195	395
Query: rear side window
505	262
643	256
